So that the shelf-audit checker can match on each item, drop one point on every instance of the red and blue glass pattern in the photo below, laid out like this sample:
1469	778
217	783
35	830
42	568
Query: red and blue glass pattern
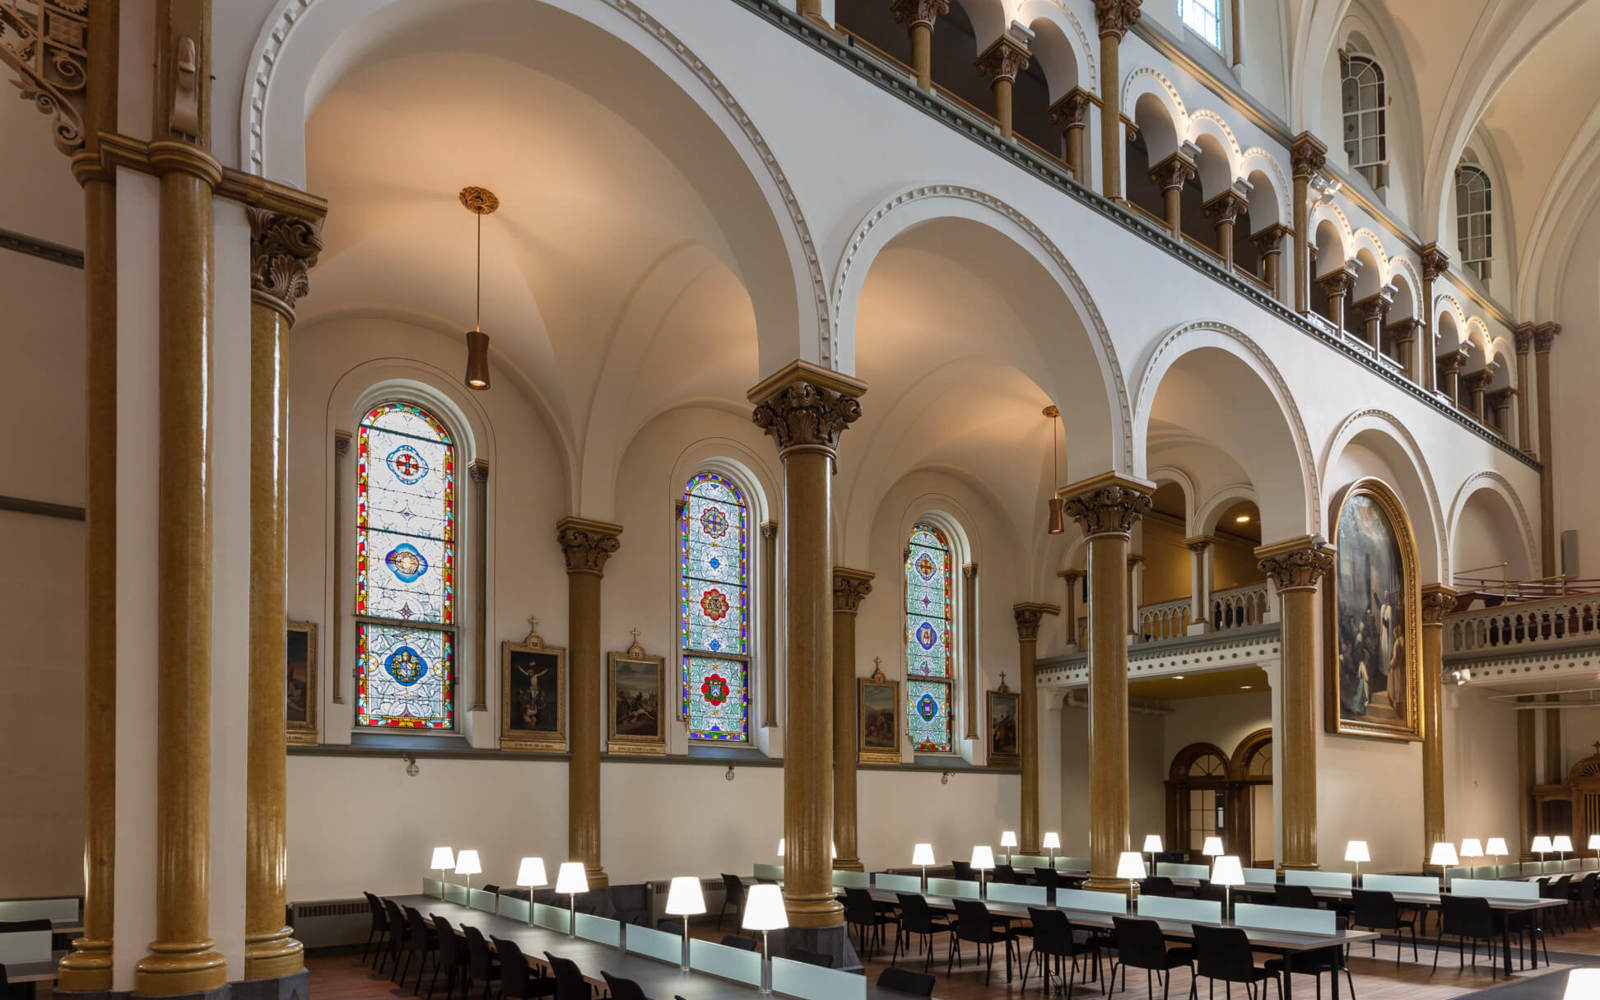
714	607
930	663
404	681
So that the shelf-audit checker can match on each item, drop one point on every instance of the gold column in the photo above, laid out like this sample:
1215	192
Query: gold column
1373	309
478	472
1001	62
1524	335
769	624
1336	284
1544	336
1027	617
918	16
1404	334
1295	566
341	506
1475	384
1269	244
1134	562
1171	174
1114	17
1200	576
1435	262
969	644
1554	773
849	587
1071	578
1527	775
282	249
586	545
1450	367
1307	156
1071	113
87	967
805	408
1106	508
1224	211
1437	601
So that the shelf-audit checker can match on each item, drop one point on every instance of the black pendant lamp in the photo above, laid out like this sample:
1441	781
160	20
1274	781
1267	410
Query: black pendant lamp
480	202
1057	515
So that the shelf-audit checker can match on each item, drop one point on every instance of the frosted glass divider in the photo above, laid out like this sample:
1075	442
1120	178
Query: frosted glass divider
1171	870
1029	861
1494	888
1260	876
19	947
813	982
1285	918
851	880
513	908
1091	901
730	963
1027	895
1318	880
63	909
430	887
898	883
455	893
1401	883
1173	908
601	929
769	871
953	887
481	900
659	945
1072	864
550	917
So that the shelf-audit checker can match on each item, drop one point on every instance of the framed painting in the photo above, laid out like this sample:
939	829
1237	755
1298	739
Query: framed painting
877	718
636	691
300	689
533	695
1371	618
1003	715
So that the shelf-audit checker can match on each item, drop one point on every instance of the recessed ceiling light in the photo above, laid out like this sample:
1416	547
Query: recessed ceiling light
1244	687
1242	519
1177	677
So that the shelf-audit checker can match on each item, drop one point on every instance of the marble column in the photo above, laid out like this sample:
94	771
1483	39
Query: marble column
1170	175
1200	577
1336	284
1544	336
1027	617
1437	601
1373	309
478	473
769	624
586	545
1072	578
969	643
1403	333
918	16
1001	62
1114	18
1224	211
1106	508
1435	262
805	408
1524	335
1295	566
849	587
1307	156
1269	244
282	249
1527	775
1475	383
1071	112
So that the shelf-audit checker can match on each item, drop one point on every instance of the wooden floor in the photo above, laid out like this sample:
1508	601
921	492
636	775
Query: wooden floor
344	977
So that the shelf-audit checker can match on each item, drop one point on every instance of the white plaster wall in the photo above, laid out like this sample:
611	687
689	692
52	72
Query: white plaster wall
1480	765
1223	720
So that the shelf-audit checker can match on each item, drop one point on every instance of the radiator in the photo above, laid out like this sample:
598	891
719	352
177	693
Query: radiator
331	923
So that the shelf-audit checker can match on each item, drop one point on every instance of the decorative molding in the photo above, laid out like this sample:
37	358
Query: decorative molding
1028	616
1185	654
1307	156
1115	17
1180	122
849	587
1004	59
43	249
807	415
1299	567
283	249
587	544
914	12
1437	601
46	44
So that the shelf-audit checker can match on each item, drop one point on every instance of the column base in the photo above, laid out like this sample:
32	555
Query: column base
294	986
1095	883
596	874
848	865
814	912
86	968
834	941
180	969
1300	866
273	955
1198	628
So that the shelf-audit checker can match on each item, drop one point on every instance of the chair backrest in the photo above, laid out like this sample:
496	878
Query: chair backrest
742	943
1586	888
631	903
1052	931
1295	895
1470	916
1375	909
449	952
477	952
915	916
513	968
1047	877
1157	885
418	926
858	907
491	887
1140	943
961	869
905	981
397	924
1223	953
20	926
622	989
570	984
972	921
732	888
1004	874
380	918
810	957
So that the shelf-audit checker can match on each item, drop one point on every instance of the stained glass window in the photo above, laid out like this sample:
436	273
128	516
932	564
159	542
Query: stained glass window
930	661
405	569
714	599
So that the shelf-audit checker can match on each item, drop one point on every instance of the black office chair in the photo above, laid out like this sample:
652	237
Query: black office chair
1004	875
482	965
1584	894
732	895
1223	953
452	959
380	927
491	887
1298	896
1560	888
1157	885
868	920
421	942
915	984
1466	918
517	978
1049	879
1377	911
622	989
975	924
1316	963
1141	945
742	943
570	984
961	870
917	918
1053	938
810	957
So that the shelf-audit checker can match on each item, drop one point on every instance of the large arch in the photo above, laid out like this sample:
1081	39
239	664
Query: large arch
1404	468
1489	495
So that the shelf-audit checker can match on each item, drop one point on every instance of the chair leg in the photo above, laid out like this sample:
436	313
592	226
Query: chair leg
1436	943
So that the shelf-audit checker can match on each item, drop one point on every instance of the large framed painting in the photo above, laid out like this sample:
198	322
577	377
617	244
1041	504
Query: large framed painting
533	695
878	718
1371	617
300	689
636	685
1003	715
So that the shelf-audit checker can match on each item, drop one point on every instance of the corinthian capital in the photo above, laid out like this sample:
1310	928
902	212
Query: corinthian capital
805	406
1108	503
849	587
1115	17
1307	156
1435	262
1437	601
283	249
1226	208
587	544
1028	616
1073	108
914	12
1296	564
1544	335
1004	59
1173	172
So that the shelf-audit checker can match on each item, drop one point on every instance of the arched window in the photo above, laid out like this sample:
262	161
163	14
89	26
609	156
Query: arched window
930	657
1204	18
714	597
1365	102
405	569
1474	232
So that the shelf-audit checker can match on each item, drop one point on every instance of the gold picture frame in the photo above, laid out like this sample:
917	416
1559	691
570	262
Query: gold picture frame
533	694
1001	716
1372	665
636	701
300	693
877	717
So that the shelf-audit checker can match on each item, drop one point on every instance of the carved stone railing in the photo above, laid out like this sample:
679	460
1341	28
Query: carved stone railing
1524	627
1235	607
1166	620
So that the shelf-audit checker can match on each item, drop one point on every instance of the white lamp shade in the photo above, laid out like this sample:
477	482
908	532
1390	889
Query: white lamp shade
443	859
1470	848
1594	841
1227	871
833	851
1152	843
780	847
1130	864
1497	847
1561	843
571	878
982	857
1212	848
1008	839
1444	855
1052	842
922	854
467	863
531	873
1582	984
684	898
763	909
1541	845
1356	851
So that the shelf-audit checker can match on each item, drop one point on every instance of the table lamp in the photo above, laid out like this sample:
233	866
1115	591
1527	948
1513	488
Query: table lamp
1227	872
443	862
1470	848
982	861
1152	847
467	864
1052	843
1562	844
1130	865
571	879
1444	855
1212	848
780	847
1356	851
1541	846
1008	840
1594	841
1497	849
922	854
530	873
1582	984
684	899
763	911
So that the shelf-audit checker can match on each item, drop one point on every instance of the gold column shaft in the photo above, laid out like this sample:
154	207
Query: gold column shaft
1299	715
1027	617
1308	156
1110	113
1270	264
341	503
769	624
922	57
849	587
1075	154
1524	337
478	473
1527	773
1002	104
1547	501
1071	578
969	644
1225	244
1108	707
1437	601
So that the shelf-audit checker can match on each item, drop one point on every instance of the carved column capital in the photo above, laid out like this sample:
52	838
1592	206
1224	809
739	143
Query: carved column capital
1524	335
914	12
1435	262
1115	17
1376	306
587	544
1454	361
806	407
1307	156
1404	331
1338	282
479	472
849	587
1028	615
1477	381
1173	172
969	572
1108	504
341	443
46	45
1071	575
1072	110
283	249
1544	335
1438	600
1199	543
1004	59
1296	564
1270	240
1226	208
769	530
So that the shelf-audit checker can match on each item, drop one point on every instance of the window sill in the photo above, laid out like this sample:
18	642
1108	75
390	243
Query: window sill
421	740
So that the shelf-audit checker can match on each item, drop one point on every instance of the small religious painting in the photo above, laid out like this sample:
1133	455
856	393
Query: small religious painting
1003	739
533	695
1372	617
879	718
637	691
300	691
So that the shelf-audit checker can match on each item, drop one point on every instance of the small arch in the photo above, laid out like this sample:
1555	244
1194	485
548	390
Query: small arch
1270	192
1505	505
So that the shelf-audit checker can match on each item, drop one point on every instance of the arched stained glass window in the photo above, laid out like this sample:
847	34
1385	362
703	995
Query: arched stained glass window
405	569
1365	102
1474	234
930	661
714	599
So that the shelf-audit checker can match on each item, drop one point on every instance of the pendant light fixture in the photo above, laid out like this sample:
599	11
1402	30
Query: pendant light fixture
1057	517
480	202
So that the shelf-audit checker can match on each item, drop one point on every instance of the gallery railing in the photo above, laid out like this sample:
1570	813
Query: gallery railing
1524	625
1234	607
